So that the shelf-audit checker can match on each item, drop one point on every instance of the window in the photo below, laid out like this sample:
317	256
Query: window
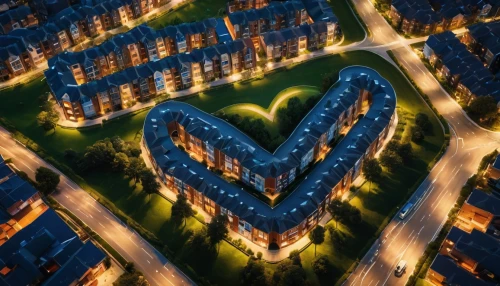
210	153
16	64
228	163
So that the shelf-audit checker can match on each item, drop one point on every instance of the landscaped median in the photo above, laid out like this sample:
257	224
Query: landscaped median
121	196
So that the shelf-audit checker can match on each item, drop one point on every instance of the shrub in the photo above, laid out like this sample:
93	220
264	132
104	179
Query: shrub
321	265
259	255
417	134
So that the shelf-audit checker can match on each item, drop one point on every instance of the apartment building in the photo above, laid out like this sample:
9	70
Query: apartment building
68	27
223	147
20	17
462	70
101	91
240	5
276	16
290	42
423	17
483	39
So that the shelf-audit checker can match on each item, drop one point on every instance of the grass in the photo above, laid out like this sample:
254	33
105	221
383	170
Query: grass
154	214
353	31
191	12
280	100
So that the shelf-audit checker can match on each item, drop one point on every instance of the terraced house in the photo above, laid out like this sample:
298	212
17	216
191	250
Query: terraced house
462	70
121	89
483	39
277	15
419	17
140	45
21	17
67	28
239	5
225	148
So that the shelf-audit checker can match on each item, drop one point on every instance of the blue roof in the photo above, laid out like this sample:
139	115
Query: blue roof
311	191
47	239
454	274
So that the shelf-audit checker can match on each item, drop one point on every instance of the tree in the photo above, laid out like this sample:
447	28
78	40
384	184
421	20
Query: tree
181	209
321	265
149	183
134	278
47	180
354	214
422	120
485	107
255	274
118	144
294	256
337	238
48	118
317	236
199	245
391	160
293	276
371	171
335	209
217	230
405	151
417	134
134	169
99	154
120	162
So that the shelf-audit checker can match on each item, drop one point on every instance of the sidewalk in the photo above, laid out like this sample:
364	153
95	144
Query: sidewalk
195	89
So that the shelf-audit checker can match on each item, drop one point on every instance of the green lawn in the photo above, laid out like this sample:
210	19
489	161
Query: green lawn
192	12
280	100
353	31
154	214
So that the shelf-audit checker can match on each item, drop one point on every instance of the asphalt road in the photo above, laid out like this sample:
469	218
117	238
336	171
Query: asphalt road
157	269
407	239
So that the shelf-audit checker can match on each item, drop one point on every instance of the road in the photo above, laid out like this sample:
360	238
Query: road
407	239
157	269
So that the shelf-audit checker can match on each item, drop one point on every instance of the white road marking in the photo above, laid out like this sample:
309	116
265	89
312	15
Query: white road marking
146	252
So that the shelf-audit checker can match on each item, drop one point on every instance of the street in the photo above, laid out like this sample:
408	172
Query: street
157	269
407	239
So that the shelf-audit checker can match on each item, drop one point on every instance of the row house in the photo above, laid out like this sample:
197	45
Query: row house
87	87
423	17
138	46
461	69
7	5
21	17
225	148
71	25
483	39
276	16
290	42
241	5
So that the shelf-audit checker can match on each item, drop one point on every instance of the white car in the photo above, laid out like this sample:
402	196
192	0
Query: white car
400	268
